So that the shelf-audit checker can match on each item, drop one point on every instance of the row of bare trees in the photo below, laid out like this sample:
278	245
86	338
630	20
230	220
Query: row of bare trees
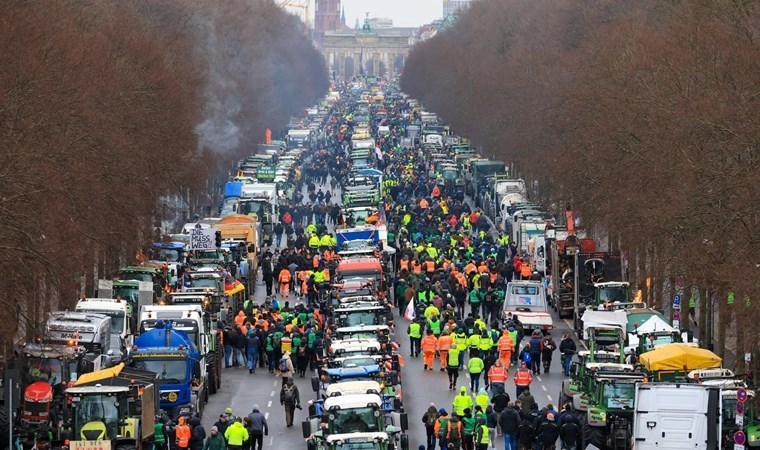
105	110
641	115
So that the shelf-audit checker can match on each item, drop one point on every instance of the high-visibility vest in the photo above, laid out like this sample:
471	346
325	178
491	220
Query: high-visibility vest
415	330
284	276
474	341
460	339
428	343
182	432
435	325
498	374
430	266
484	438
404	264
444	343
485	344
523	377
506	343
452	359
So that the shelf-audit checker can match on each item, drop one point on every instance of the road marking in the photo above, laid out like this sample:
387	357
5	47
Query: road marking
271	440
274	383
269	404
266	415
549	397
569	324
543	387
271	394
539	378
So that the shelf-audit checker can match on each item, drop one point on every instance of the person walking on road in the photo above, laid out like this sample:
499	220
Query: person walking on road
497	377
442	428
429	344
285	368
259	428
548	350
415	337
455	433
569	432
475	367
567	349
527	400
215	441
290	399
536	348
284	279
182	434
444	345
469	424
523	378
429	419
509	421
482	435
506	346
462	402
236	435
452	367
548	433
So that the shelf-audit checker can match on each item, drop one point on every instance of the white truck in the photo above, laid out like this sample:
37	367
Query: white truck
117	309
89	330
677	416
260	199
527	300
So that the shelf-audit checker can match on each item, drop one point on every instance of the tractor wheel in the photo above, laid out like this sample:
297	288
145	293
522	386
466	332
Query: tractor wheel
211	373
594	435
4	432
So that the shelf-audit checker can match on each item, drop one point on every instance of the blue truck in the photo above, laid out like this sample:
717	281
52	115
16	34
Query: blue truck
182	372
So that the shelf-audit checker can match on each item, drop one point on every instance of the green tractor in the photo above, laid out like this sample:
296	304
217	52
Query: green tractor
608	423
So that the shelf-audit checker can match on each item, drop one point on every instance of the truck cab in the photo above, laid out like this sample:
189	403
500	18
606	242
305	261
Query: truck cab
89	330
360	313
527	301
118	310
611	292
175	358
195	321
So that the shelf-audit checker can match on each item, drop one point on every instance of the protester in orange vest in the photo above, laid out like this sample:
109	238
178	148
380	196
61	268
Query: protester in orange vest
429	344
523	378
506	346
182	432
469	268
416	267
284	279
436	192
444	344
525	271
497	377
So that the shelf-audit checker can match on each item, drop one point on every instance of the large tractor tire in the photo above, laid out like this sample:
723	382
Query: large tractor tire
211	369
594	435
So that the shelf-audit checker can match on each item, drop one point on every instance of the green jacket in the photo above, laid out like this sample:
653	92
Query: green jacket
215	442
468	424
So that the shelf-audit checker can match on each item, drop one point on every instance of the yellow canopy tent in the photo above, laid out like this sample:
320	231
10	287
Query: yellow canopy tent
679	357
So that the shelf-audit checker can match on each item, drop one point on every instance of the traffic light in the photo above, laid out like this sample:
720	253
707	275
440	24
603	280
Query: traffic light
218	235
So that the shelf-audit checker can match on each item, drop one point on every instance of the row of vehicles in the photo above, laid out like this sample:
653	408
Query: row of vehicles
639	382
145	322
359	400
663	394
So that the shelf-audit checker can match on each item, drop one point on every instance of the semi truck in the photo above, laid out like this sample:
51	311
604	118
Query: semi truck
117	309
89	330
173	355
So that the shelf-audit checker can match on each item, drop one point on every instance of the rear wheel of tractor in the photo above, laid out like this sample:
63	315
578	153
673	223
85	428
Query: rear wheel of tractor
212	373
594	435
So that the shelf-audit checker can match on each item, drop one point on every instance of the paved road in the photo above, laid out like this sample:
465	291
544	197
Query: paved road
241	390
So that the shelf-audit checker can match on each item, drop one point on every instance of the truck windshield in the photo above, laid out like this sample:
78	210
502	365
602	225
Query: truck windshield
97	408
613	294
619	395
170	255
170	371
138	276
49	370
358	318
203	283
357	420
525	290
357	444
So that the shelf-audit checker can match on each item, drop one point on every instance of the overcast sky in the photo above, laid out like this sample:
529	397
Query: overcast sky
405	13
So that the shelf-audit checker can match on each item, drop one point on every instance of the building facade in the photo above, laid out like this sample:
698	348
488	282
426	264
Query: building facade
327	17
454	6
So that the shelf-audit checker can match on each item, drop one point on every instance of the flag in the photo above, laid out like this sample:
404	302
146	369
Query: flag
409	313
378	152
